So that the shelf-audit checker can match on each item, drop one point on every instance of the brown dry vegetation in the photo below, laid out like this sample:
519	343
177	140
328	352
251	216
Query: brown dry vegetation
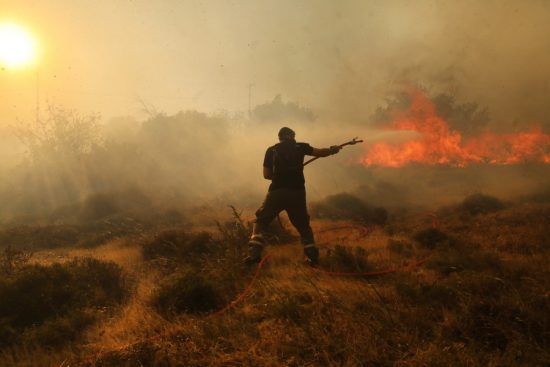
482	299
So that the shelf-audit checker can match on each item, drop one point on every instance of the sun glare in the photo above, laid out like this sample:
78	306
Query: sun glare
17	46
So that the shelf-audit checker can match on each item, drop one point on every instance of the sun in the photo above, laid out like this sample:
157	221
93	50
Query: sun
17	46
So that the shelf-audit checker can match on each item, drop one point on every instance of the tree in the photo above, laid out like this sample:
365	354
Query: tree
277	110
63	133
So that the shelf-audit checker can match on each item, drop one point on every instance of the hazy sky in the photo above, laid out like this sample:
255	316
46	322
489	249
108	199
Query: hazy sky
339	57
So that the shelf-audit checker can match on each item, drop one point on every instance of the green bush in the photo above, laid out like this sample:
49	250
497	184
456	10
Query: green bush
58	298
186	292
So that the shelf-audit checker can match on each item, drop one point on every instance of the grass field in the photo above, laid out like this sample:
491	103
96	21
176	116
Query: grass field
480	299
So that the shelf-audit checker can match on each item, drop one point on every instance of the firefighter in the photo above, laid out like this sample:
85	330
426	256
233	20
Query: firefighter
283	165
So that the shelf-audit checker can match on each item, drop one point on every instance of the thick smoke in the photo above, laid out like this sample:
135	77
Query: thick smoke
329	70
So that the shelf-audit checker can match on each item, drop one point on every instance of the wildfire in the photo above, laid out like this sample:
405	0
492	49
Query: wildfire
438	144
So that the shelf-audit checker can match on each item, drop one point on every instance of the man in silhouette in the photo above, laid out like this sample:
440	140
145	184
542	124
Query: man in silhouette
283	165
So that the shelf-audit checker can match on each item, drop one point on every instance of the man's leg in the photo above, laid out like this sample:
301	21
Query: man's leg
268	211
297	213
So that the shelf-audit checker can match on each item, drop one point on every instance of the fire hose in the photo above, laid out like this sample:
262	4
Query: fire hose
351	142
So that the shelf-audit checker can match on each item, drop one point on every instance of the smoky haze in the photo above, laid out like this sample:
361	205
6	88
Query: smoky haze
180	74
339	58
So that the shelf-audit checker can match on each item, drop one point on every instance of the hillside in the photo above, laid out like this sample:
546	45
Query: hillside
480	298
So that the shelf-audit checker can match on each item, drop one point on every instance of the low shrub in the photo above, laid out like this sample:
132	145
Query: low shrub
59	298
12	260
292	307
186	291
98	206
343	258
400	247
440	295
58	331
431	238
495	313
453	260
179	245
481	204
346	206
39	237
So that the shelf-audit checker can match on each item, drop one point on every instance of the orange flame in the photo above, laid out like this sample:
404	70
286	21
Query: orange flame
438	144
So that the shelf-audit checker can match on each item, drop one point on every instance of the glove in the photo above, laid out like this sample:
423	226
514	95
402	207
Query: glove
334	149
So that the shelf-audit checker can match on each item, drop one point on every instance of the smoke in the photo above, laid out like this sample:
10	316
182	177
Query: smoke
329	70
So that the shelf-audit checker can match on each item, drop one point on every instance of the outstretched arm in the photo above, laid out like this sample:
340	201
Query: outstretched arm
325	152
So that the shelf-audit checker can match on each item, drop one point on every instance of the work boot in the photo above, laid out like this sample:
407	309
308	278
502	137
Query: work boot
255	248
312	254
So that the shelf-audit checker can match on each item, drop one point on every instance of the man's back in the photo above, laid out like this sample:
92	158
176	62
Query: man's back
285	160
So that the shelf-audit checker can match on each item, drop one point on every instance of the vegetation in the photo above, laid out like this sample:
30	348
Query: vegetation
52	305
187	291
431	238
480	204
480	299
346	259
347	206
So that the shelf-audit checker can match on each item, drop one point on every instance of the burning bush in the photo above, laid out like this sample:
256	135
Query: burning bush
481	204
346	206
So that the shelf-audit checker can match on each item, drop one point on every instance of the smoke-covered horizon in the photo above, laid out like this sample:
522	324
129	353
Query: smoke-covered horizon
184	98
341	59
192	159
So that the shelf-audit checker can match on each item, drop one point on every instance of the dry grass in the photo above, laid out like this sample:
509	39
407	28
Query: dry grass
481	300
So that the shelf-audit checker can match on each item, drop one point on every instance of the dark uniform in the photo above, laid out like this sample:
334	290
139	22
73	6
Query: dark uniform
286	192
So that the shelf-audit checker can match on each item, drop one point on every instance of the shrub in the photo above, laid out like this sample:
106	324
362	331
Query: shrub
346	206
57	331
496	313
11	260
35	237
344	258
481	204
431	237
98	206
176	244
457	260
427	294
60	298
400	247
186	291
292	307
